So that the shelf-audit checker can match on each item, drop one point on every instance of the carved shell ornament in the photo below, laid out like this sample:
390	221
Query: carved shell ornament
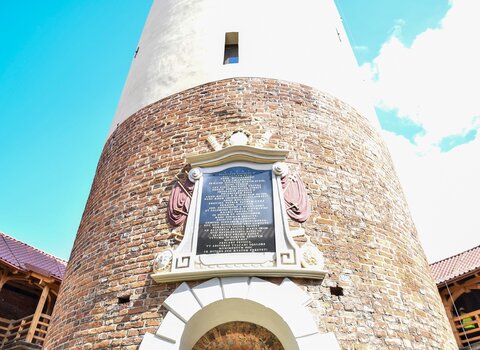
311	257
162	261
239	137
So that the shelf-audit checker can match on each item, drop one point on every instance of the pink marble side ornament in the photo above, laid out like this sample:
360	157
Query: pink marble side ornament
179	202
296	199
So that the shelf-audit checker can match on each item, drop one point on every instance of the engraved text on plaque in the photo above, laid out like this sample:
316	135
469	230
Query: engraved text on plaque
236	213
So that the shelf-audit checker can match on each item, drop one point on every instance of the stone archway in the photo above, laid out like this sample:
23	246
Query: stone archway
238	336
279	309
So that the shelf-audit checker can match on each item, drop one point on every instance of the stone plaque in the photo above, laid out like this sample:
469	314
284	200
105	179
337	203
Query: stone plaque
236	212
236	204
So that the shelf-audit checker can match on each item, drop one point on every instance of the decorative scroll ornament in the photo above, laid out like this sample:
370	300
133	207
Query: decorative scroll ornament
179	202
311	257
163	261
194	174
296	199
280	169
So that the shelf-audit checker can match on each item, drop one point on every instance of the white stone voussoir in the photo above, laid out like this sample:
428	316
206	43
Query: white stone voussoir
299	294
182	303
152	342
171	328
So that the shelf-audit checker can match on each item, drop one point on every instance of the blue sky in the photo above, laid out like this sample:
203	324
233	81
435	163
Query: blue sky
62	68
369	23
63	64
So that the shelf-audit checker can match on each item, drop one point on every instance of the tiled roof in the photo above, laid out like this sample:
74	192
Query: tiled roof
27	258
456	266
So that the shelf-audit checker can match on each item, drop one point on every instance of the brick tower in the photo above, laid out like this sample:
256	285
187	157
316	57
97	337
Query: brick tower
264	93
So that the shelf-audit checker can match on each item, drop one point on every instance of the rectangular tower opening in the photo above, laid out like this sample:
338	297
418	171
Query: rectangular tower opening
231	48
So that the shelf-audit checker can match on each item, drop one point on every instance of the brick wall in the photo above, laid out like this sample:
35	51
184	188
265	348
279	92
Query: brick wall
379	293
238	336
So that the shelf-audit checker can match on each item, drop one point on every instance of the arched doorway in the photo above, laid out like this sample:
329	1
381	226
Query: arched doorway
212	307
238	336
466	309
246	312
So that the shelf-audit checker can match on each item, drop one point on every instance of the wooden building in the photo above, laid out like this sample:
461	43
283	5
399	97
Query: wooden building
29	284
458	281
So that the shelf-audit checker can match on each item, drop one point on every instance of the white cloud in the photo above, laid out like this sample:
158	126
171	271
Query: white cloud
436	83
443	192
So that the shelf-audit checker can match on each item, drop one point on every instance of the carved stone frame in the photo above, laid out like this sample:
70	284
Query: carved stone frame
286	261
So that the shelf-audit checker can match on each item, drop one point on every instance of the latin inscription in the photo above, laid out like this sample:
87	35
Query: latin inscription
236	212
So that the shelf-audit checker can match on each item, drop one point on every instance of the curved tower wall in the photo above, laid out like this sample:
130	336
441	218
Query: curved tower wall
378	293
182	46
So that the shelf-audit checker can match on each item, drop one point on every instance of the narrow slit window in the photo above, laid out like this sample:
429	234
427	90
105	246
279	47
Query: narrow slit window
231	48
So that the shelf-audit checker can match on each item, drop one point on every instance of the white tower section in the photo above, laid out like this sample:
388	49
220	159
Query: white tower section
183	46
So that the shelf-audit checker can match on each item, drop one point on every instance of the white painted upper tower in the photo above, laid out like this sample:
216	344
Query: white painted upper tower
184	41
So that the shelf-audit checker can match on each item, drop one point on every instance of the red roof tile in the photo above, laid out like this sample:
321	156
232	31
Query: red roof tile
27	258
456	266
